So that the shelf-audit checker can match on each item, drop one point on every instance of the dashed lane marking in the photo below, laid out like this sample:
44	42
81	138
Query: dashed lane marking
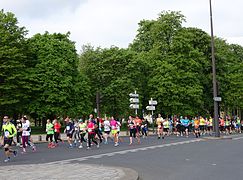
125	151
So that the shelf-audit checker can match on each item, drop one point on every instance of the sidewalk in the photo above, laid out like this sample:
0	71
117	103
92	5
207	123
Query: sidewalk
56	171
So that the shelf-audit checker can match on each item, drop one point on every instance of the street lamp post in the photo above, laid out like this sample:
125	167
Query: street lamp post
216	113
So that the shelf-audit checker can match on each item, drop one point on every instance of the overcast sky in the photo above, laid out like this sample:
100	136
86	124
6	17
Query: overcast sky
115	22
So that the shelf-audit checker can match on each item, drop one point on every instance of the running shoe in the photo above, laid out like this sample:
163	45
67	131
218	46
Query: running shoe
80	147
88	148
7	160
15	153
98	146
33	148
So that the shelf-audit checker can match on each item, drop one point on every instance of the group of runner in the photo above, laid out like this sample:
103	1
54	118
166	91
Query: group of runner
94	131
21	130
183	126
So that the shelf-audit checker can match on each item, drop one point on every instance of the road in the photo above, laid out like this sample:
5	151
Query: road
172	158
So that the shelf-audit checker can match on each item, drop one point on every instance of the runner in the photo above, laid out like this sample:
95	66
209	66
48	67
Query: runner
76	133
145	128
9	131
196	127
185	126
91	134
30	140
82	131
114	133
202	124
25	133
159	122
49	133
57	131
221	125
118	131
69	129
107	129
210	126
19	133
166	127
132	129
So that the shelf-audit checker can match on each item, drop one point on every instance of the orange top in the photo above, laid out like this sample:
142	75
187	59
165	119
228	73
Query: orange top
196	123
138	121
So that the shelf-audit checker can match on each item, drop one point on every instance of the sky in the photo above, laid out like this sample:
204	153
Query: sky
106	23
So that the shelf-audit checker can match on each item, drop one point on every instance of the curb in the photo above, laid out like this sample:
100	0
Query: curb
130	174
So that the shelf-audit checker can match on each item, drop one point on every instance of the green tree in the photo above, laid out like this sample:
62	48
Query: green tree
60	89
13	64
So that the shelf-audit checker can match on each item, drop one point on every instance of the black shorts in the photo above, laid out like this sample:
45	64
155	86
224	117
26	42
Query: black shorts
8	141
166	129
70	135
133	132
107	132
201	127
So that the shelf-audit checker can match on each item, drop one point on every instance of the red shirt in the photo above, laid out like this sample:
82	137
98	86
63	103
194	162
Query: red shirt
91	128
57	127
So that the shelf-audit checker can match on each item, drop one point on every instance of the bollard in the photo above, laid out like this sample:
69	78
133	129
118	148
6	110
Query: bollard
40	138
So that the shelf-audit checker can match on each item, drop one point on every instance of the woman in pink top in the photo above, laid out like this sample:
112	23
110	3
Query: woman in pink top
91	134
114	125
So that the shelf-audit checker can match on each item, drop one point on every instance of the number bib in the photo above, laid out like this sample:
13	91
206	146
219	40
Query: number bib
6	134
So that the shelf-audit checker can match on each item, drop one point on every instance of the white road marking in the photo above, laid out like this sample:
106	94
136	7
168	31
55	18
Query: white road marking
237	138
125	151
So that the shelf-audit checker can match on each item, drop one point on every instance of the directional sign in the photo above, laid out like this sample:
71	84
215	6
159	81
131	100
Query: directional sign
133	95
218	99
134	100
134	106
151	102
150	108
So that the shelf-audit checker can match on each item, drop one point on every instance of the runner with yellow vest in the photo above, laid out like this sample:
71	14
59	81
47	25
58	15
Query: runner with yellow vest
166	127
8	131
210	125
202	124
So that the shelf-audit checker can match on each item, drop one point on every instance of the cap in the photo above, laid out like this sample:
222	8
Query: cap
80	120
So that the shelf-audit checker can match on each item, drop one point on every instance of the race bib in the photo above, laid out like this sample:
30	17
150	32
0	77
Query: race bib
6	133
68	128
89	130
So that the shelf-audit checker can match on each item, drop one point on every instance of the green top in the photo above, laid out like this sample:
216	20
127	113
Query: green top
9	130
82	128
49	128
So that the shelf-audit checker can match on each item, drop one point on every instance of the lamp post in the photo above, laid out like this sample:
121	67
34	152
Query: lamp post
216	113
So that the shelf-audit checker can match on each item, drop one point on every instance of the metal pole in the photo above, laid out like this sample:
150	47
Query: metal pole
152	120
216	113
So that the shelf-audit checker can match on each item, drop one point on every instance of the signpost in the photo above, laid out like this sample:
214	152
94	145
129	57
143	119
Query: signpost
151	107
134	101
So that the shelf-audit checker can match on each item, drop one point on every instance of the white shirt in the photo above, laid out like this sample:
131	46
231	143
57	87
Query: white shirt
25	127
107	125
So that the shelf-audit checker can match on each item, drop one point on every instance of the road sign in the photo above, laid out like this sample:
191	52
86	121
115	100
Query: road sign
218	99
150	108
134	100
133	95
151	102
134	106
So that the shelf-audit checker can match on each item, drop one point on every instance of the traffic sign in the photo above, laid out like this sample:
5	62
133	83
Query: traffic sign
150	108
151	102
134	100
218	99
133	95
134	106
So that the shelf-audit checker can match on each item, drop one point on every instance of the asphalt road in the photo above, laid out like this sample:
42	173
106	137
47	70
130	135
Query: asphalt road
173	158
